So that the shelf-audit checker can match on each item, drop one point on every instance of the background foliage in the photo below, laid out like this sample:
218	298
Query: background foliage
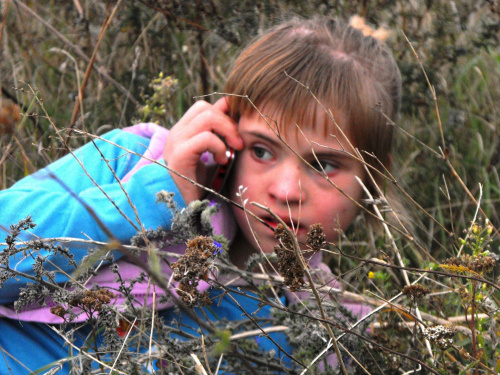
154	57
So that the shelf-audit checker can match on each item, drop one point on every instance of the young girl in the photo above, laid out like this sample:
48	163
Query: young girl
305	96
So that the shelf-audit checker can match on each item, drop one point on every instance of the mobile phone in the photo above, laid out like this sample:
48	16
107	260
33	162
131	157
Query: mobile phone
222	172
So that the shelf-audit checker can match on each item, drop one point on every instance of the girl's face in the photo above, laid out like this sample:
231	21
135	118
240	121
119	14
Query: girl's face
276	177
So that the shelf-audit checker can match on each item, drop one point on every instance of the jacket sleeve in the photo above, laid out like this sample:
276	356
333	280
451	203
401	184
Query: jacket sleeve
53	197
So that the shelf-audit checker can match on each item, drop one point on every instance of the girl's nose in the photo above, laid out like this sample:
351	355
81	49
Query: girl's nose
286	185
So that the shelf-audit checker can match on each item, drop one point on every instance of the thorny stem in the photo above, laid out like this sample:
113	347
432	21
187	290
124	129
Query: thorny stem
472	320
397	252
479	364
4	20
132	205
469	231
466	189
403	191
264	331
413	307
444	361
444	151
346	330
386	229
349	331
170	14
205	354
82	351
86	77
77	50
87	207
32	278
355	359
23	154
303	265
420	270
94	336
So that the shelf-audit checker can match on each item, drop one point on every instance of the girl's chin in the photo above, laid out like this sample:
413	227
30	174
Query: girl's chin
242	248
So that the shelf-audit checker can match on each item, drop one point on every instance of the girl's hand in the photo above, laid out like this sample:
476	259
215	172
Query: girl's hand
195	133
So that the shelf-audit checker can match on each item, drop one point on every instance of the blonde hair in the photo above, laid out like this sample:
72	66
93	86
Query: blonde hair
350	71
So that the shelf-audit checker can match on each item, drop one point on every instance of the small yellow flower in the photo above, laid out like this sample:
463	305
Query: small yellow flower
371	275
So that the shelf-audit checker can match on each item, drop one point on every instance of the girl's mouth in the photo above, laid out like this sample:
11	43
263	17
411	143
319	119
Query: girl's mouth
271	222
274	223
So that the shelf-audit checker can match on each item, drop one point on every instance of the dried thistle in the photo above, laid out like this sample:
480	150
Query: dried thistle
192	267
92	300
415	292
288	265
316	237
478	264
58	311
441	336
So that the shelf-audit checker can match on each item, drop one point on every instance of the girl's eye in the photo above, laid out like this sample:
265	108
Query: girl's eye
262	153
326	166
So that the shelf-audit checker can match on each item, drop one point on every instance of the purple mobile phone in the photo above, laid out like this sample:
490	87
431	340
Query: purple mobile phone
222	172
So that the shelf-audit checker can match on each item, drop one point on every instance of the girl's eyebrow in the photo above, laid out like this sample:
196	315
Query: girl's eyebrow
274	140
336	156
324	152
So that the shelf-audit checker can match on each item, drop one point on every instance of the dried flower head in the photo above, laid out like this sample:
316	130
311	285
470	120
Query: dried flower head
58	311
415	292
316	237
441	336
89	301
288	265
480	264
192	267
92	300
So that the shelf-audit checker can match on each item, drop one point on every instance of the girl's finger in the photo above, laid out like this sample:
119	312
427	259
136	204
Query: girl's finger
198	107
209	120
220	124
187	155
185	160
222	104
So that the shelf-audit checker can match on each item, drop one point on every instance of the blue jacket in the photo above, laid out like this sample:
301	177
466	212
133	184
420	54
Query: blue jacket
55	198
62	200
